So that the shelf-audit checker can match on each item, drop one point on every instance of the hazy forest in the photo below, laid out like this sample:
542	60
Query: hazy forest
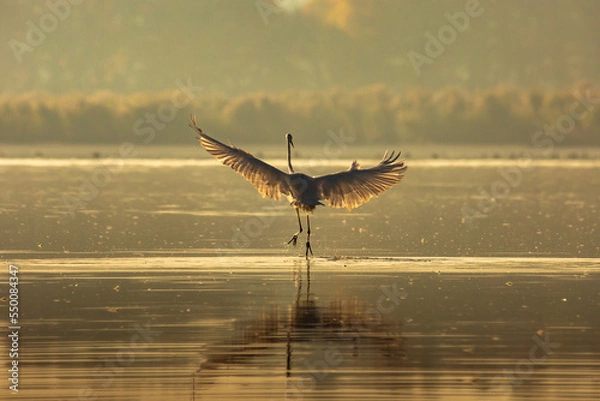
108	71
371	114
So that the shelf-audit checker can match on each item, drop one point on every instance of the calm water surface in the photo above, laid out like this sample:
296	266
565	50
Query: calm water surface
170	280
265	327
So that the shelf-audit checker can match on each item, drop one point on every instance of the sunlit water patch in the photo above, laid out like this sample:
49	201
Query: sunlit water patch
441	208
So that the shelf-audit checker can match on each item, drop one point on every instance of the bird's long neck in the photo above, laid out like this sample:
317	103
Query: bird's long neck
289	158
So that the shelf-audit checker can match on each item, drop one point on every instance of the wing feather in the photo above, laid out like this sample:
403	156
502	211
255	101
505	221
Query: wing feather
268	180
356	186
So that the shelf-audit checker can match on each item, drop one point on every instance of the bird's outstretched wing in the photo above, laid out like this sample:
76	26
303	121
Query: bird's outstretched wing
356	186
268	180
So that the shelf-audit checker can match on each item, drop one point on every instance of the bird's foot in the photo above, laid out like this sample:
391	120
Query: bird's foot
308	249
293	240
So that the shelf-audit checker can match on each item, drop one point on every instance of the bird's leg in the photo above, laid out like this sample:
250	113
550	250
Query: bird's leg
308	247
295	236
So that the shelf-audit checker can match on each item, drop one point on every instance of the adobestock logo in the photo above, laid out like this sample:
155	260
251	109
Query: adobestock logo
59	10
446	35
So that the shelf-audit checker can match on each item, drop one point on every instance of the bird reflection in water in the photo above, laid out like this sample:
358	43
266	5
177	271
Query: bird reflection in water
343	334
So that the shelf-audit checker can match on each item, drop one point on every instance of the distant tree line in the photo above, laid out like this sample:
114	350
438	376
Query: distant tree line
372	114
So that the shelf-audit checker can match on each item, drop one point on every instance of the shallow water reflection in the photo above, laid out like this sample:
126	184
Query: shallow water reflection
266	327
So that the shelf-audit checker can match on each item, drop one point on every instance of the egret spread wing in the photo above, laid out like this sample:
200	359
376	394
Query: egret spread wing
356	186
268	180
